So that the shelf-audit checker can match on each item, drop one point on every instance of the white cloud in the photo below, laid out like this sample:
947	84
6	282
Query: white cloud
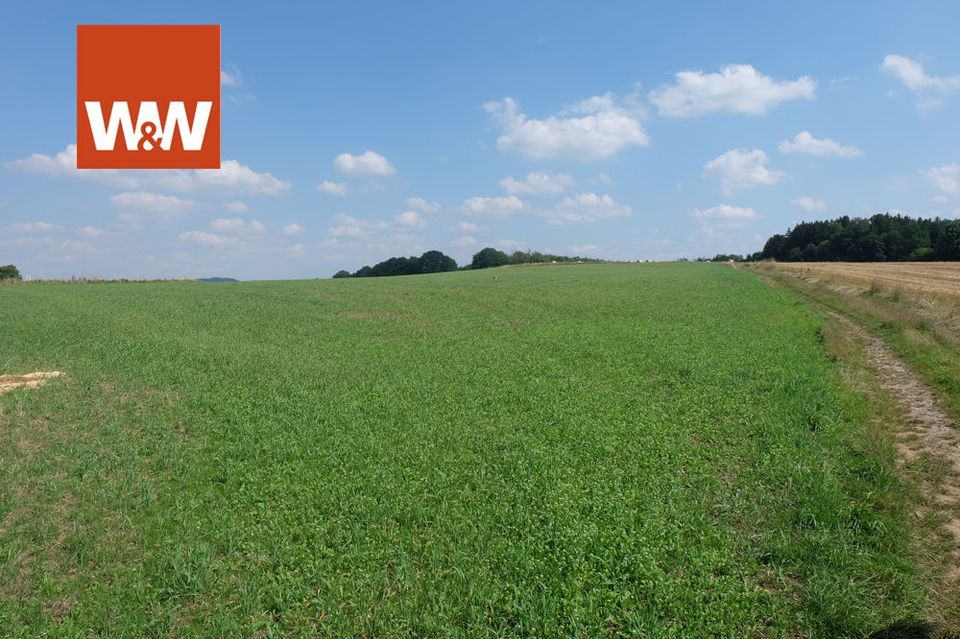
166	207
726	212
912	75
588	207
33	227
463	242
237	226
298	250
723	216
946	178
738	88
493	205
742	169
333	188
593	129
468	227
422	205
90	232
367	163
236	207
410	218
233	176
229	79
292	229
208	239
805	144
808	203
230	177
352	227
538	183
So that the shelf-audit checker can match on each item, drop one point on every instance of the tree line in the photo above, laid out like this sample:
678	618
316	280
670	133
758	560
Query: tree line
437	262
879	238
9	272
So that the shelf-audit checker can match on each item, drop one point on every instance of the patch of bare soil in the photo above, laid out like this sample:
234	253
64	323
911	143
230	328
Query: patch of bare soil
30	380
930	436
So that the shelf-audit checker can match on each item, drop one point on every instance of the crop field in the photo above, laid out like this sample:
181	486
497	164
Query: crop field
593	450
928	278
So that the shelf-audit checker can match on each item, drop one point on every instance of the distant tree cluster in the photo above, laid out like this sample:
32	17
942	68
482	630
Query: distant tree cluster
880	238
724	257
429	262
9	272
437	262
491	257
536	257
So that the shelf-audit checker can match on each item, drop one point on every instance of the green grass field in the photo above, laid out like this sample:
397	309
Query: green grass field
652	450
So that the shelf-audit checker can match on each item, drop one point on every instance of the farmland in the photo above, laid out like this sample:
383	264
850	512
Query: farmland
595	450
925	278
915	307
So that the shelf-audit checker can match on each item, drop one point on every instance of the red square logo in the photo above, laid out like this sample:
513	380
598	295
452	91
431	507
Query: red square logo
148	97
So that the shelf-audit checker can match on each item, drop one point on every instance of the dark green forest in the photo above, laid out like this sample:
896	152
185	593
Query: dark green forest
437	262
879	238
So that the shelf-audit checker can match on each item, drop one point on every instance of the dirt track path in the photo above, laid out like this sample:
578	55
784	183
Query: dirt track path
930	432
928	435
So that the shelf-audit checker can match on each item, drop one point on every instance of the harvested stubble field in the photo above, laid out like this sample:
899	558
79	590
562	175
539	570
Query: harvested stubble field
928	278
616	450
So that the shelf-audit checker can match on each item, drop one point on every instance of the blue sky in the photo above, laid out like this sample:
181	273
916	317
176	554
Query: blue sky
355	131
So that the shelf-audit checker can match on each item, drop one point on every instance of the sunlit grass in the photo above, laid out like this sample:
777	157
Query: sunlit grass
572	450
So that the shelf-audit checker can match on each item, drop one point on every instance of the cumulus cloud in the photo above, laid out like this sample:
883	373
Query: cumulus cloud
348	226
205	238
90	232
929	89
726	212
810	204
738	88
297	250
493	205
230	177
468	227
422	205
723	216
410	218
230	79
912	75
333	188
233	176
292	229
236	207
238	226
593	129
166	207
538	183
33	227
588	207
742	169
367	163
946	178
228	233
804	143
463	242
